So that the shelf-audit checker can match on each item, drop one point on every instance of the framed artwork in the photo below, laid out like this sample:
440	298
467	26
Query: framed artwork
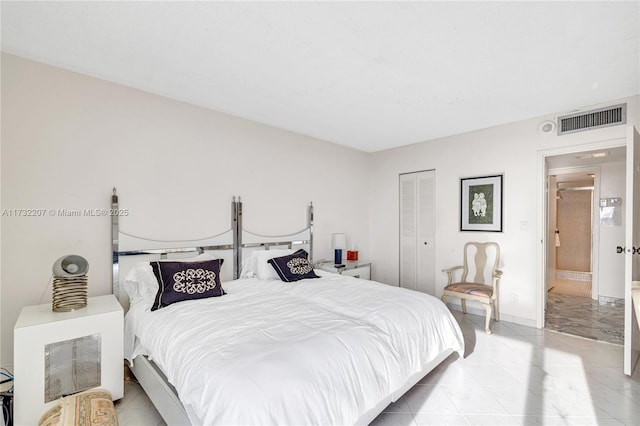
481	204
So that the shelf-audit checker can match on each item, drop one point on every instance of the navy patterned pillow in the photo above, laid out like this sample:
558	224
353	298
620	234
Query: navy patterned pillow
179	281
293	267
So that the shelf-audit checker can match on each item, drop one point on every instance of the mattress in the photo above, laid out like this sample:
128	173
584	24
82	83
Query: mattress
317	351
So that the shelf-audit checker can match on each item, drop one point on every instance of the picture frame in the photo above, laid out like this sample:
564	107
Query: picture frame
481	203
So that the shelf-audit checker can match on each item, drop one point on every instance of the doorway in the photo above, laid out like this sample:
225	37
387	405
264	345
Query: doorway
584	282
572	248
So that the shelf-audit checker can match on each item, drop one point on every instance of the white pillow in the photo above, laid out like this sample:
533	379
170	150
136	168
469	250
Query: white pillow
141	283
130	285
264	269
249	266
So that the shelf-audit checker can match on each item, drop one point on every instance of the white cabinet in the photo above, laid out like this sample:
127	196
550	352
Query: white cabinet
352	269
87	342
417	231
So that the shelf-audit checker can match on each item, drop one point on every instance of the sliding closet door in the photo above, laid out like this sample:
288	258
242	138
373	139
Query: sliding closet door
417	231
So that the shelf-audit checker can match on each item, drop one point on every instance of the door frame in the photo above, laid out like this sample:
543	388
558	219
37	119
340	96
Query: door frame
542	212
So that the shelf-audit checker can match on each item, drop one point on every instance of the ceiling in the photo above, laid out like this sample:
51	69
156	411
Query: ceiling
369	75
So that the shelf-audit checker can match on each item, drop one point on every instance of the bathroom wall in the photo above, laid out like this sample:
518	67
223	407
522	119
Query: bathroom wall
574	224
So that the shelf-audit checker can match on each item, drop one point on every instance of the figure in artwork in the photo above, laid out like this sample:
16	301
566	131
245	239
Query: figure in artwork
482	203
475	204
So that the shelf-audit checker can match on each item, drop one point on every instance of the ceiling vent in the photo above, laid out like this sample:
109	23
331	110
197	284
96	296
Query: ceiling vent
594	119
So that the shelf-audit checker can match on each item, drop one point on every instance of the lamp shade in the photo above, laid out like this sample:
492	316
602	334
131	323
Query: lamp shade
338	241
69	283
70	265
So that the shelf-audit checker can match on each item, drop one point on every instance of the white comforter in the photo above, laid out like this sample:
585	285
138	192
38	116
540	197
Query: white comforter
319	351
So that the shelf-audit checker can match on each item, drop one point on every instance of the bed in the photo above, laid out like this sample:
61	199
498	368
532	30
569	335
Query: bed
323	349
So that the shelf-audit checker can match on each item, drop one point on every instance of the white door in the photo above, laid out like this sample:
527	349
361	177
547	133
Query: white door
417	231
408	231
632	246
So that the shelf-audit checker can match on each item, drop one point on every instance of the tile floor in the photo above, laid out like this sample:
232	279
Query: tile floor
585	317
517	376
135	409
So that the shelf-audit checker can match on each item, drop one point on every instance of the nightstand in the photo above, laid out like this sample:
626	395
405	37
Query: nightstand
56	353
351	268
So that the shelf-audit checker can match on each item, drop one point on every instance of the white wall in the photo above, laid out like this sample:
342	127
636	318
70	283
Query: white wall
611	274
511	149
67	139
1	322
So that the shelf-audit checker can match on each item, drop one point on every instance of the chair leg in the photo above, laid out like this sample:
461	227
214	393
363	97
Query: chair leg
487	307
464	305
495	308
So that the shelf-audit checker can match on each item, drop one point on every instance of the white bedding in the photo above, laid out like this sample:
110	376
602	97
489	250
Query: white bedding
318	351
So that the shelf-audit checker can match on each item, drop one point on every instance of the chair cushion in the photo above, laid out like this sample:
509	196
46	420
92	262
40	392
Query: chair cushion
471	289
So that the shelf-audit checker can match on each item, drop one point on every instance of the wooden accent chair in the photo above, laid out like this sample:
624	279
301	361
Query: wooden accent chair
479	279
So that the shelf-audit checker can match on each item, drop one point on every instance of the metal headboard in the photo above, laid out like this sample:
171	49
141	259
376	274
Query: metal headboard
235	239
124	244
250	240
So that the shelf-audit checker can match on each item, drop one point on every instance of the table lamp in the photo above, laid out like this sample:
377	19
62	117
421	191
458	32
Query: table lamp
339	243
69	283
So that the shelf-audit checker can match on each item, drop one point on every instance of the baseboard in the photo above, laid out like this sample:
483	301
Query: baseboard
503	317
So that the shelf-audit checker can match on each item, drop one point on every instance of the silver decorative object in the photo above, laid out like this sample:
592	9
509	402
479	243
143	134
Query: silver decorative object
69	283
